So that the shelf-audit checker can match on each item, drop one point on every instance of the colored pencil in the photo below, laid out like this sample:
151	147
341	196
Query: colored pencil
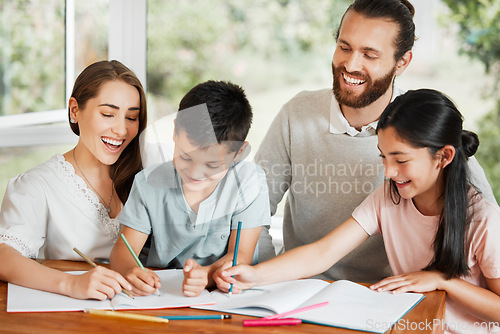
92	263
235	254
196	317
302	309
272	322
126	315
139	263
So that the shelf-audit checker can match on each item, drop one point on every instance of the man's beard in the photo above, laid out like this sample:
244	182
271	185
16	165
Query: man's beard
374	89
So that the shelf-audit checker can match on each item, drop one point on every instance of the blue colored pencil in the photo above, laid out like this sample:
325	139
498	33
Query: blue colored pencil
235	255
196	317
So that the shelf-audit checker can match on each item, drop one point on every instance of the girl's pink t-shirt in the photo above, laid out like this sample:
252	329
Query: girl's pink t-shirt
408	238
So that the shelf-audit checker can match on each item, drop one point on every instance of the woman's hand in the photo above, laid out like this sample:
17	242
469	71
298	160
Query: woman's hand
420	281
99	283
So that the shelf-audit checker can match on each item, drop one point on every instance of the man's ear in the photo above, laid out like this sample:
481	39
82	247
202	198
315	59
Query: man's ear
446	155
242	152
403	62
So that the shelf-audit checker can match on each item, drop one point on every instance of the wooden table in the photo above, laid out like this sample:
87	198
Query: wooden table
420	318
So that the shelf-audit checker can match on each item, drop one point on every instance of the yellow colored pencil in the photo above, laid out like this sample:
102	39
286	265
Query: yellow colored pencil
126	315
92	263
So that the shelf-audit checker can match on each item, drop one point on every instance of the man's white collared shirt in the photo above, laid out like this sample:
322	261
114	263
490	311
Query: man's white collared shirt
340	125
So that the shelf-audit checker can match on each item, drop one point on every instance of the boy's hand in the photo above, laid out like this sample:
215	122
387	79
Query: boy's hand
195	278
245	277
98	283
144	282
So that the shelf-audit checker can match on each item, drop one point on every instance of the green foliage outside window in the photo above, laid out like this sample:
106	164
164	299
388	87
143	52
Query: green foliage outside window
32	44
479	24
263	41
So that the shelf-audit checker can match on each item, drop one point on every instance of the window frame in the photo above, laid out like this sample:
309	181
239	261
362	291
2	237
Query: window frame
127	43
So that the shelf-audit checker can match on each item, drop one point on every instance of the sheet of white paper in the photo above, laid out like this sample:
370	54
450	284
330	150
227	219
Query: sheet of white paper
278	298
350	305
21	299
357	307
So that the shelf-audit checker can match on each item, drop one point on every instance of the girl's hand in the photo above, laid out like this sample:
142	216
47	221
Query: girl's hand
144	282
98	283
195	278
420	281
245	277
219	279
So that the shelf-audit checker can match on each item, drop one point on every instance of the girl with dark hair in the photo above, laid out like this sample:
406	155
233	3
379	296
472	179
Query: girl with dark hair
72	200
439	233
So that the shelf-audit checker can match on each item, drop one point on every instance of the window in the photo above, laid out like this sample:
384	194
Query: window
273	49
33	49
45	44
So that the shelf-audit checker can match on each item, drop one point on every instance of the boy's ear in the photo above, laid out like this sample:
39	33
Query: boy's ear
242	152
446	155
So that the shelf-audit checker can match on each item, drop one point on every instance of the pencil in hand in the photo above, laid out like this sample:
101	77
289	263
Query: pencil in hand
92	263
139	263
235	255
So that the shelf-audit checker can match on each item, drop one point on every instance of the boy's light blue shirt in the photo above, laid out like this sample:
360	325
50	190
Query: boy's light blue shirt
156	205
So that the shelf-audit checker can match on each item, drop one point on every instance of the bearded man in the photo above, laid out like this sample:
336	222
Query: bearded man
322	146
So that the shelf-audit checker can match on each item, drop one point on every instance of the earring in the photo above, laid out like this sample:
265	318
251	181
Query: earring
72	121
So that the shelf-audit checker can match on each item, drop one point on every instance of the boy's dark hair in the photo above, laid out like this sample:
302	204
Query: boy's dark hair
229	115
427	118
400	12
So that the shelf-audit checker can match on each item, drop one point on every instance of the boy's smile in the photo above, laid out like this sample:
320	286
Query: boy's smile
201	169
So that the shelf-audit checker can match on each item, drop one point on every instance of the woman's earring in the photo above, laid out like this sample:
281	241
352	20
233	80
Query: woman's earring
72	121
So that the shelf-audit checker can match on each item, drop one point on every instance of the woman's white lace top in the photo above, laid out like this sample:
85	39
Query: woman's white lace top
49	210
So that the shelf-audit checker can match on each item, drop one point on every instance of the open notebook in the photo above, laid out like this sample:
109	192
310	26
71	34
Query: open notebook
21	299
351	305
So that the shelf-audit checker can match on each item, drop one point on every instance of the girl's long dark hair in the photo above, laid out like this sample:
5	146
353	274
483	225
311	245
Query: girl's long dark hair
427	118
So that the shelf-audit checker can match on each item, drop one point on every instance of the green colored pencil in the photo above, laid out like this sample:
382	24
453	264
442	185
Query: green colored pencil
139	263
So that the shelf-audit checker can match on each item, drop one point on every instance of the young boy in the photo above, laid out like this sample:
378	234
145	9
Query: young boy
191	206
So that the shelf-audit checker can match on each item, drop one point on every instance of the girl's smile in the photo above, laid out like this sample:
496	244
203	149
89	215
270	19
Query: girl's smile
402	184
415	170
